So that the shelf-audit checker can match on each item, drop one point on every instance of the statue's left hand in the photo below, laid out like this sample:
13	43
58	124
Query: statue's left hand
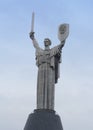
63	43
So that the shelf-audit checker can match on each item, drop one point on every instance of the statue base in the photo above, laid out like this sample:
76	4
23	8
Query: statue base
43	119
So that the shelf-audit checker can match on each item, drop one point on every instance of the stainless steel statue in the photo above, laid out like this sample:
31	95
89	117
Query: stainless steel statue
47	61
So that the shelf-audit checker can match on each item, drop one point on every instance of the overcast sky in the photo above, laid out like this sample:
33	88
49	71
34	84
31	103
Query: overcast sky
18	72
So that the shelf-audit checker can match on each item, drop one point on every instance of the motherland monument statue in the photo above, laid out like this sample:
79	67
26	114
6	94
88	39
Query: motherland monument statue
48	61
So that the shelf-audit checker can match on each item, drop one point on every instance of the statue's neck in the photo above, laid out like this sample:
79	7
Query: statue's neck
47	48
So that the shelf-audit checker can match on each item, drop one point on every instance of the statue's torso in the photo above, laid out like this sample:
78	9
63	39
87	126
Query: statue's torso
43	57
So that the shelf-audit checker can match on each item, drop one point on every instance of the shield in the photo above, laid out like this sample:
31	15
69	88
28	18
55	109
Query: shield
63	32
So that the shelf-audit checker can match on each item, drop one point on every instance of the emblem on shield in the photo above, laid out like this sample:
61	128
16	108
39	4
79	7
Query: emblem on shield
63	32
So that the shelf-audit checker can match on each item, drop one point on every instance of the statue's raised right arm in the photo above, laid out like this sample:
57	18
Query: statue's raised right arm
35	43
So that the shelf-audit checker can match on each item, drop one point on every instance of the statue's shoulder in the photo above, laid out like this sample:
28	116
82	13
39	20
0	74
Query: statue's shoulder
54	50
39	52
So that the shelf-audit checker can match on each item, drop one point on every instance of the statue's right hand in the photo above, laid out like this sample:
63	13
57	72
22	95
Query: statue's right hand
31	34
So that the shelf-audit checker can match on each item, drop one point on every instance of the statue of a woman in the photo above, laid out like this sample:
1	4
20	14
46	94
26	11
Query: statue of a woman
48	61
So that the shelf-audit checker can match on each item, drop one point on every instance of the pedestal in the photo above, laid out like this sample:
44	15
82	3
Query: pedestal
43	119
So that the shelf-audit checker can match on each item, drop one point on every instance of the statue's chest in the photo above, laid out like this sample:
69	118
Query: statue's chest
44	57
45	53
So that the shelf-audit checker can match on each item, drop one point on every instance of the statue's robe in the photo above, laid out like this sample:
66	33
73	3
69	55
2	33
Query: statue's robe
48	73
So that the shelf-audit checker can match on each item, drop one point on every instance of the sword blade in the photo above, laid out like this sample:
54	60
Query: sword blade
32	24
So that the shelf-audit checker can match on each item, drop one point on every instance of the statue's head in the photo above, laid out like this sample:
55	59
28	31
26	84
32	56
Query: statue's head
47	42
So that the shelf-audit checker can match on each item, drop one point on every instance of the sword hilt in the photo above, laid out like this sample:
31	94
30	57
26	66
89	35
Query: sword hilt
31	34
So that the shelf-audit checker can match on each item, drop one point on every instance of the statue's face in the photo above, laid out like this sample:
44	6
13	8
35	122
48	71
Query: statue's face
47	42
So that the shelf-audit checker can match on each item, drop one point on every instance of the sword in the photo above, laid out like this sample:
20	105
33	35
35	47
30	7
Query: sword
32	22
